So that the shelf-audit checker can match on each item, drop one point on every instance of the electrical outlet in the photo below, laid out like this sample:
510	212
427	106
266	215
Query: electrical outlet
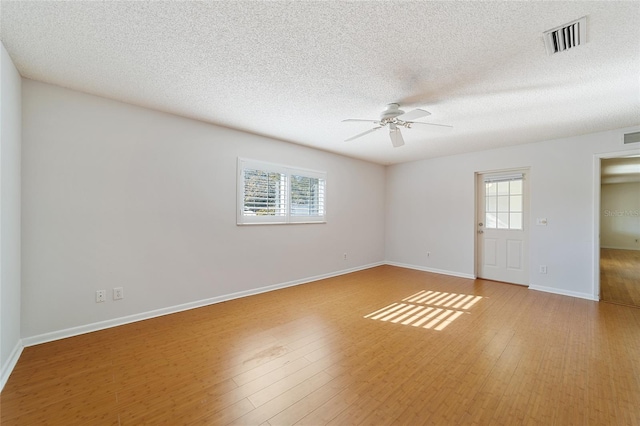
118	293
344	256
101	296
543	269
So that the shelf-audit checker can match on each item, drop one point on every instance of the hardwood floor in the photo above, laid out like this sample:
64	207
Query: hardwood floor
620	276
339	352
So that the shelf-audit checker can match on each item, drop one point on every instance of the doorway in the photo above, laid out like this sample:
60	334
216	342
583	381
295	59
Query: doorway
619	230
502	214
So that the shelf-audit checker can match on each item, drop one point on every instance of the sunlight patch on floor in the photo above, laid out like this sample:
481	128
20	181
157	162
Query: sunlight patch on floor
426	309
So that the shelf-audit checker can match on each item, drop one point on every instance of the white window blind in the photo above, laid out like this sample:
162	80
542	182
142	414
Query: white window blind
264	193
307	196
271	193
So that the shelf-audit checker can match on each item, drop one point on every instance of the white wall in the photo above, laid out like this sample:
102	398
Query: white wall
10	137
620	216
117	195
430	207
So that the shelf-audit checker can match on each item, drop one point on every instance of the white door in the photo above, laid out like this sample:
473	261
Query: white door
502	251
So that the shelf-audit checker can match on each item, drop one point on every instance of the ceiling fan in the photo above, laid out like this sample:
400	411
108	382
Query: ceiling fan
395	118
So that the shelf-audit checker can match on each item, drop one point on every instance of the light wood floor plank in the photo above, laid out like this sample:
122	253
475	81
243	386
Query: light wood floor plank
328	353
620	276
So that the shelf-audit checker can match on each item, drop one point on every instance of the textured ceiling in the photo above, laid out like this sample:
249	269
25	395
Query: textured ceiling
295	70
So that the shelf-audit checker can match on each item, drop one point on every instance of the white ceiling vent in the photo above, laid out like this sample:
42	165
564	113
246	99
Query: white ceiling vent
566	36
631	137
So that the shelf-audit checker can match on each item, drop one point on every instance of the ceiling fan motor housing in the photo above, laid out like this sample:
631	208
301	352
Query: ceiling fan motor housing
392	110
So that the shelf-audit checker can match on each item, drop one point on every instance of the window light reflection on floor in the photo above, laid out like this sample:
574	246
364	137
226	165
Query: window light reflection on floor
426	309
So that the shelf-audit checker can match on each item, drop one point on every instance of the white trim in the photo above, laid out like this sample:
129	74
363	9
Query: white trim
620	248
75	331
472	277
433	270
597	187
10	364
286	188
563	292
280	168
502	177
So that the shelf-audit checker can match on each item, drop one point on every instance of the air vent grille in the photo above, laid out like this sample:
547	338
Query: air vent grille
632	137
566	36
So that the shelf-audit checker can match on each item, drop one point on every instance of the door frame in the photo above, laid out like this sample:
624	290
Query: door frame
476	176
597	188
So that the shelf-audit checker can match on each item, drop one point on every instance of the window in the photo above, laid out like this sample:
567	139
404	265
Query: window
503	202
271	193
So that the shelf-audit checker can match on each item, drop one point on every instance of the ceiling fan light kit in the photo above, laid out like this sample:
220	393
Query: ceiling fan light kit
394	117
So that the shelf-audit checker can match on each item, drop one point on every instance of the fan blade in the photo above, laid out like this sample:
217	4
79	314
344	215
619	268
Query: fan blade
396	138
363	133
444	126
359	120
412	115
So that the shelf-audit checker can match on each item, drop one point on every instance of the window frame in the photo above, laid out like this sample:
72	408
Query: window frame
497	179
286	171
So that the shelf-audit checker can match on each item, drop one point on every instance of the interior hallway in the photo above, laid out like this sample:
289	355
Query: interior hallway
620	276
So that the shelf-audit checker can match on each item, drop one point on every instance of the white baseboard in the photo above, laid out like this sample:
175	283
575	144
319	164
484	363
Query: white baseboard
620	248
75	331
8	367
564	292
88	328
435	271
470	276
